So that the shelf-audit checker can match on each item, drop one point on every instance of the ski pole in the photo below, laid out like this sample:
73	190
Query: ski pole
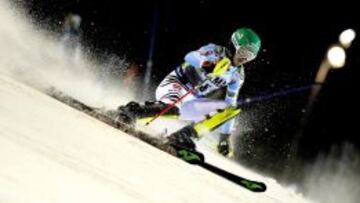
170	106
269	96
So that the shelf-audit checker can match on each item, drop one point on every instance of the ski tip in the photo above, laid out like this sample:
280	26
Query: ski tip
254	186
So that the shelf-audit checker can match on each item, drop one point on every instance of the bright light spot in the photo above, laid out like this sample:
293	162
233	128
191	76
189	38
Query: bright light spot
346	37
336	56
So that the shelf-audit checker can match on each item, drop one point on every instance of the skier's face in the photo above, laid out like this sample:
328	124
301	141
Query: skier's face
242	56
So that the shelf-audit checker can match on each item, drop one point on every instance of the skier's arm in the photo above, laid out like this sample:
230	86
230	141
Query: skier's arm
231	98
204	57
193	74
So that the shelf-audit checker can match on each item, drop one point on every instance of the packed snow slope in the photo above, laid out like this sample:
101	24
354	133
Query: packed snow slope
50	152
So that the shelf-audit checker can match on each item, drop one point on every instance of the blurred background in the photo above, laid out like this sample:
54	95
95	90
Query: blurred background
289	125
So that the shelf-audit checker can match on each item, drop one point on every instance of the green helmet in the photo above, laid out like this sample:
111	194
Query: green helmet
246	38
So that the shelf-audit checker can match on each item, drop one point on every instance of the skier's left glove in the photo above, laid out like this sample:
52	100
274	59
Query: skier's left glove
224	146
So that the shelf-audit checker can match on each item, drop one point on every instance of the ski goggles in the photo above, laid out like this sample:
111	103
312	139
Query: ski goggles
243	55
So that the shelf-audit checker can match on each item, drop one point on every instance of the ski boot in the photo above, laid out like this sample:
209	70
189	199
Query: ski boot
185	147
224	146
133	111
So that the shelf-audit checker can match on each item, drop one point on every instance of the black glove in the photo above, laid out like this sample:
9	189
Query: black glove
211	84
224	144
218	81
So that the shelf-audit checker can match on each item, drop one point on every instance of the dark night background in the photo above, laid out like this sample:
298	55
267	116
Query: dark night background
295	38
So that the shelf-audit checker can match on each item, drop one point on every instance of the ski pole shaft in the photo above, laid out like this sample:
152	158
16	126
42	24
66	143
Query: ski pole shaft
170	106
279	93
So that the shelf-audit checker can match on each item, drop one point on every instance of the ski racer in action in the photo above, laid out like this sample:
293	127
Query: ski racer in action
195	86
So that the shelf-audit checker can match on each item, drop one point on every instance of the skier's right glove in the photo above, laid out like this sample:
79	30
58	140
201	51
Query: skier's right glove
218	81
211	84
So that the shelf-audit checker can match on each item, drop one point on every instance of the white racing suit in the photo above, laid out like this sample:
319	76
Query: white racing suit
194	72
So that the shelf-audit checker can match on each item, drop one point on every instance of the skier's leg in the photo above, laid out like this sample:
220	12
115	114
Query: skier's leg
169	90
212	121
196	110
133	111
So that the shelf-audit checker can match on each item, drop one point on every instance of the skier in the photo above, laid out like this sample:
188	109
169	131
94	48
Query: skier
205	72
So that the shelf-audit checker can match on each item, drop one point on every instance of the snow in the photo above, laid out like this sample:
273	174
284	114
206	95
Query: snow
50	152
